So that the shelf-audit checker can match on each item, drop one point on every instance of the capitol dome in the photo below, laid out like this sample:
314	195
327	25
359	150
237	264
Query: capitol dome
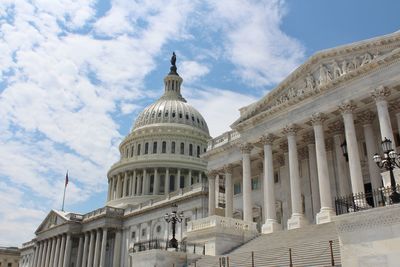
161	155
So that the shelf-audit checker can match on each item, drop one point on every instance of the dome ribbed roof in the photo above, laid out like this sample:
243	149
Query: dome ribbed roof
171	107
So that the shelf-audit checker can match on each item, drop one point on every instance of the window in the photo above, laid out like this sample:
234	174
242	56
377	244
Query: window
164	147
237	189
276	177
198	151
171	183
155	148
173	114
190	150
187	116
158	229
166	113
133	235
146	148
182	182
127	152
138	149
182	148
132	148
144	232
255	183
180	115
159	113
192	118
173	147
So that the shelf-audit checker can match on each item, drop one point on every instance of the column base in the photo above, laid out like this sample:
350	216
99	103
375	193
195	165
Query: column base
325	215
297	221
270	226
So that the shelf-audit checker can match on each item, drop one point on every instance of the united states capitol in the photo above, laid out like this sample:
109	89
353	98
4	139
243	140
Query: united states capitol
294	182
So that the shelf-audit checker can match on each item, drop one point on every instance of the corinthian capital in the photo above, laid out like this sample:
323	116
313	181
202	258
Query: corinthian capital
228	168
380	93
246	148
267	139
290	129
347	107
211	174
317	118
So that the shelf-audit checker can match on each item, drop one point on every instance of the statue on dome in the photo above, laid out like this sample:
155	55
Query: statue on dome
173	67
173	59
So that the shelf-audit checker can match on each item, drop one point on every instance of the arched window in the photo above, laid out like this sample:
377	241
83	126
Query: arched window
127	152
190	150
132	150
187	116
155	148
166	113
182	148
173	147
198	151
173	114
180	115
146	148
138	149
164	147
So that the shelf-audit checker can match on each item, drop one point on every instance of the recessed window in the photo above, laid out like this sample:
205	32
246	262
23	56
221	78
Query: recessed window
187	116
159	113
155	148
198	121
166	113
173	114
127	152
153	114
173	147
138	149
182	148
192	118
164	147
255	183
144	232
276	177
198	151
190	150
146	148
237	188
158	229
133	235
180	115
132	150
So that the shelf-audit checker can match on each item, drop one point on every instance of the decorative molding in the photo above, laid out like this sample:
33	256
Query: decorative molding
284	147
366	117
336	127
290	129
267	139
211	174
303	153
318	118
380	93
228	169
329	144
309	138
281	160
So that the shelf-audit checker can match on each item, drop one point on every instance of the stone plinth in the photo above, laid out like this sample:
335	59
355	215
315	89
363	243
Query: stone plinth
159	257
220	234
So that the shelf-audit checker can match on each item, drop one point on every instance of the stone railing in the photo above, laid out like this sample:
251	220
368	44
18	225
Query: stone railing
195	188
74	217
222	139
110	211
28	244
221	222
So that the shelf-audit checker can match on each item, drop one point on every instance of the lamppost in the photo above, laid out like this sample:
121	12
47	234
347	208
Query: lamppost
174	218
389	161
344	150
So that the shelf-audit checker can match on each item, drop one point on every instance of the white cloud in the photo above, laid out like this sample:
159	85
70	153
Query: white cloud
192	70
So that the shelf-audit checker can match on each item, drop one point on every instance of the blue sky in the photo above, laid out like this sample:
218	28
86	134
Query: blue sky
75	74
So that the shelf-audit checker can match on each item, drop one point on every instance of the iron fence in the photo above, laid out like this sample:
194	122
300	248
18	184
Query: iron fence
163	244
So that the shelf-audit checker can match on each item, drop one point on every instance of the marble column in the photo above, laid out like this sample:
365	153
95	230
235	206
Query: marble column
103	248
80	252
366	118
44	253
97	248
133	183
139	185
228	191
125	184
48	252
211	192
145	183
178	180
156	188
119	186
380	95
39	256
109	189
117	249
68	247
53	250
91	249
327	212
35	255
312	161
247	197
85	250
190	183
271	224
57	252
62	250
297	219
357	183
166	182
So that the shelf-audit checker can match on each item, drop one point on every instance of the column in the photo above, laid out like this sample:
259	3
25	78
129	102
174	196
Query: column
117	249
134	183
39	255
97	248
366	119
271	224
48	252
312	161
53	250
67	255
178	180
57	253
145	183
326	213
103	248
80	252
119	186
85	250
139	185
190	178
380	94
297	220
43	259
109	189
62	250
166	182
124	184
337	129
130	178
156	188
228	191
247	198
357	183
91	249
211	192
35	255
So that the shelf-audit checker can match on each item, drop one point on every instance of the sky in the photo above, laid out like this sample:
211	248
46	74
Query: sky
75	74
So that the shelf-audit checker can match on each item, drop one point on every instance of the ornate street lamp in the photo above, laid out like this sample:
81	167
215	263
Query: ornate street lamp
344	150
174	218
389	161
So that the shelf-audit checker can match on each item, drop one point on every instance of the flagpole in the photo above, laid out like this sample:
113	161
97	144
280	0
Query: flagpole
65	188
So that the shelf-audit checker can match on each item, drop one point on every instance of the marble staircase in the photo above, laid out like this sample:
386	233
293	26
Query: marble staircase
309	247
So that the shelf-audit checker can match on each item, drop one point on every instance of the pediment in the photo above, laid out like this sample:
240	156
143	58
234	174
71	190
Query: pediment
321	71
53	219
